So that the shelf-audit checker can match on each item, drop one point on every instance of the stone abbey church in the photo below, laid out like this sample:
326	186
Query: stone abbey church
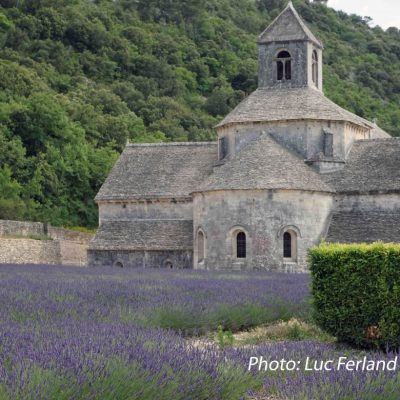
290	168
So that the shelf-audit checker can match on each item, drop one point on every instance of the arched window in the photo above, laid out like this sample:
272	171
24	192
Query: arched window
200	246
315	67
287	245
290	245
284	66
241	245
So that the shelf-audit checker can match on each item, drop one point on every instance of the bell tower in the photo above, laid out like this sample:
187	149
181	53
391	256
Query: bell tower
290	56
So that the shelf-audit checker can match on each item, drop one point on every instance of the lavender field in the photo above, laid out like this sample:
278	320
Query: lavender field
69	333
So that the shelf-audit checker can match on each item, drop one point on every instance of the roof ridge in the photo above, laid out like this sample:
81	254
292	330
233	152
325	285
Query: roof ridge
265	135
171	144
364	120
294	154
306	29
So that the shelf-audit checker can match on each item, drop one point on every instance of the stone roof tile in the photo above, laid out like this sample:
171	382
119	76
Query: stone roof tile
264	164
144	235
379	133
280	104
372	166
159	170
367	227
288	26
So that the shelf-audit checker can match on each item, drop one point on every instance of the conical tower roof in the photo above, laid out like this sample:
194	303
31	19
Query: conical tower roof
265	164
288	26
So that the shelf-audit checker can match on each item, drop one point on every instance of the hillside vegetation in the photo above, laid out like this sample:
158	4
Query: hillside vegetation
78	78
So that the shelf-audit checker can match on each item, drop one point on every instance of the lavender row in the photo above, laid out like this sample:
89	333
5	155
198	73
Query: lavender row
69	333
187	301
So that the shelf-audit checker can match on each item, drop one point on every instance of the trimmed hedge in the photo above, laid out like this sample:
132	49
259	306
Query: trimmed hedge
356	292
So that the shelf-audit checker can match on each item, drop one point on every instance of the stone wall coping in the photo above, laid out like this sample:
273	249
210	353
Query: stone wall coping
167	144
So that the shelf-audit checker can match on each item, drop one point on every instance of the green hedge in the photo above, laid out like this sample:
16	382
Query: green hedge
356	292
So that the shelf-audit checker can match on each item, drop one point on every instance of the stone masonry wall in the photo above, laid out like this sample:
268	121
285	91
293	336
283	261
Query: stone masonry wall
66	247
65	234
178	259
268	67
29	251
306	138
10	228
24	228
263	215
73	253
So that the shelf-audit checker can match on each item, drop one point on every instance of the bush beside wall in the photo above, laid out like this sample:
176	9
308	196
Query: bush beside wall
356	292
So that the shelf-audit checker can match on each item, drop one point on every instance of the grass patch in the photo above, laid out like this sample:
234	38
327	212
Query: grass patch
81	229
293	329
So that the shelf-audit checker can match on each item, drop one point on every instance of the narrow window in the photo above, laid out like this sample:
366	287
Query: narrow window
287	245
241	245
280	70
223	148
288	70
200	246
328	143
284	66
315	67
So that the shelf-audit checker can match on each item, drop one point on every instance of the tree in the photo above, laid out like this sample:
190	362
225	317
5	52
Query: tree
79	78
11	205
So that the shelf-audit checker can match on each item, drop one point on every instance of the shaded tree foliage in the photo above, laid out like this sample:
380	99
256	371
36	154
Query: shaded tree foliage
80	78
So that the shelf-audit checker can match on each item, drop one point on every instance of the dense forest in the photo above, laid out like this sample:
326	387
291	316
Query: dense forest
78	78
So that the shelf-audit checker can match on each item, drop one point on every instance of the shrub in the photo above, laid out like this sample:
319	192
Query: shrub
356	292
224	338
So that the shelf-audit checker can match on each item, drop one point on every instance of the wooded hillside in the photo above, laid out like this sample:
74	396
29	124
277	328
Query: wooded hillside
78	78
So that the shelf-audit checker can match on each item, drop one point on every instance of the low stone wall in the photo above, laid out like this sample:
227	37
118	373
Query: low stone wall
65	234
11	228
73	253
66	247
29	251
23	228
